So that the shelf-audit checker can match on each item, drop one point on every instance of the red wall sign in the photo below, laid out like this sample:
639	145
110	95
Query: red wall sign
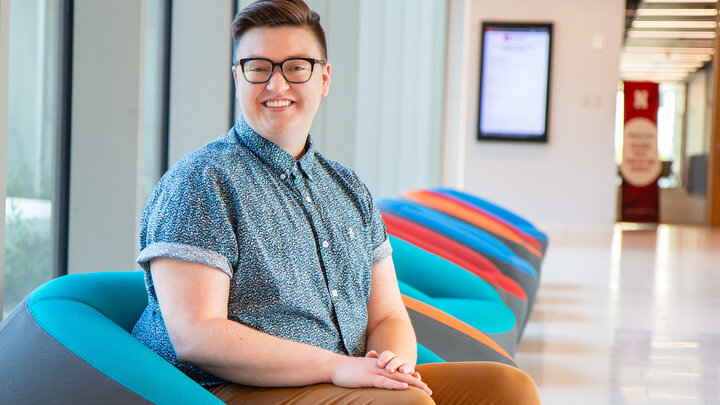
641	166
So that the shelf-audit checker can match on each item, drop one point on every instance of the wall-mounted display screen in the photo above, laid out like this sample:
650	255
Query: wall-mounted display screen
514	81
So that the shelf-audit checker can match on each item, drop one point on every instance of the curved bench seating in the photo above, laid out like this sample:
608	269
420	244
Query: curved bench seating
475	313
514	223
425	355
505	259
498	211
525	247
70	342
449	338
469	235
510	291
442	284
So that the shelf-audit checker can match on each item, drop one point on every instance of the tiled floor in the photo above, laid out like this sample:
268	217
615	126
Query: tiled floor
627	317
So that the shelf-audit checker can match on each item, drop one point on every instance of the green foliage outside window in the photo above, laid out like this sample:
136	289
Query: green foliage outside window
27	255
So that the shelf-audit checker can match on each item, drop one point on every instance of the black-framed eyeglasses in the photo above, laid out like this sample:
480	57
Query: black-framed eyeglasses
294	70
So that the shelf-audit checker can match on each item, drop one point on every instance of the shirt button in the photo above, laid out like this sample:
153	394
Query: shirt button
308	199
334	293
325	244
283	176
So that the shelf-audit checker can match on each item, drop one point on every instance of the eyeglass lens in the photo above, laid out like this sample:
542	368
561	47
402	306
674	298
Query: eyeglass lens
294	70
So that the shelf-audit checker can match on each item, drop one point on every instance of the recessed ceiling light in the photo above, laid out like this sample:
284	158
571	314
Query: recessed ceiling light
668	49
667	56
680	12
649	76
671	34
681	1
651	64
658	66
674	24
669	77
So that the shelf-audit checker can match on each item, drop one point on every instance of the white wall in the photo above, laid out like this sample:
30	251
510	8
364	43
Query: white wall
399	94
568	182
200	80
106	132
332	129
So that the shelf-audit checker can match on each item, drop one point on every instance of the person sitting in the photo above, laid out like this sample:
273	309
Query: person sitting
267	266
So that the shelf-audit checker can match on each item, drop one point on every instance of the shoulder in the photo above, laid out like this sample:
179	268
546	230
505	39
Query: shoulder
220	161
210	169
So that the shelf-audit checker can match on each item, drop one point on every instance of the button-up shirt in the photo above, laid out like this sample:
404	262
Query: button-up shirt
298	239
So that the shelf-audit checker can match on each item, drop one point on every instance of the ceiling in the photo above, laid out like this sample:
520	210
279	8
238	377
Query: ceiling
667	40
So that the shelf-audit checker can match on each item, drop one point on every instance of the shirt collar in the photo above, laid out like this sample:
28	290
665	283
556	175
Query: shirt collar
272	155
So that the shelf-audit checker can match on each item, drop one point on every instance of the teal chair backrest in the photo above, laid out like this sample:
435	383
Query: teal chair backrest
92	315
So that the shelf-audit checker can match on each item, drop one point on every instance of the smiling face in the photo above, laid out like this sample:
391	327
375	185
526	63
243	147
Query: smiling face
279	111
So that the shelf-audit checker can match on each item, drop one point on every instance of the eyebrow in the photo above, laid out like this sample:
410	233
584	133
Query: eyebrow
252	56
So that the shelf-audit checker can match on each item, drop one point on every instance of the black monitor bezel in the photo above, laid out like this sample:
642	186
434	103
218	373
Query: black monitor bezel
543	138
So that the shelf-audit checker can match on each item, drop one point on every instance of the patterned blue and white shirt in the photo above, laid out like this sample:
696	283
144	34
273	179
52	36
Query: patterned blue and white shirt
297	237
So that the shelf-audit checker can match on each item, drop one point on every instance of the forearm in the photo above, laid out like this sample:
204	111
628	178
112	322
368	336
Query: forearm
240	354
397	335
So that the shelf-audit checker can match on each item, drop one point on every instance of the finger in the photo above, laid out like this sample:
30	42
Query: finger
372	354
388	383
419	384
395	365
410	380
405	369
384	358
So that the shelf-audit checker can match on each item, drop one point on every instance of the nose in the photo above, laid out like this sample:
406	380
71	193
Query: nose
277	81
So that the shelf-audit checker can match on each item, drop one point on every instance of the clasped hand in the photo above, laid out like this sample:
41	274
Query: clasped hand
384	370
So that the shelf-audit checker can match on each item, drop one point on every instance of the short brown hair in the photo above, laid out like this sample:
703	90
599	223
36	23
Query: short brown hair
275	13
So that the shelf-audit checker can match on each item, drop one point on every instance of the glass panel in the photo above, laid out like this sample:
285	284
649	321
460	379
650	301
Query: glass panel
32	130
670	133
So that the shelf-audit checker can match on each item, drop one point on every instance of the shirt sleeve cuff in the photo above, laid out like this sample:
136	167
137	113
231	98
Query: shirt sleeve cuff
184	252
381	252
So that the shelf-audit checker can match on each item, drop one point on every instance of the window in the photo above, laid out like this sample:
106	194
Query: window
34	126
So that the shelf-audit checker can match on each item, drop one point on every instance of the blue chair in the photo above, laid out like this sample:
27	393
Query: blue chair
455	291
498	211
503	257
69	341
466	234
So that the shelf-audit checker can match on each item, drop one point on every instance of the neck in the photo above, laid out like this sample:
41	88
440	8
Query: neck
295	147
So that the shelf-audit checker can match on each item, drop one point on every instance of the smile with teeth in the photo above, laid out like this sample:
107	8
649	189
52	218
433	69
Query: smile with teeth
277	103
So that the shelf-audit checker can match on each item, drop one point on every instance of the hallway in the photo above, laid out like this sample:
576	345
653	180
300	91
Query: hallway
627	317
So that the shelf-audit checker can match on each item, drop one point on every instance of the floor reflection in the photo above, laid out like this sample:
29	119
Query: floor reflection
629	317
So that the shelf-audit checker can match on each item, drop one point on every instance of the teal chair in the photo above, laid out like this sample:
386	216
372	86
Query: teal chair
69	341
455	291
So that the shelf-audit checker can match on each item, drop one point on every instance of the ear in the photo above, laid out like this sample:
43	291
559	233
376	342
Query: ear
235	77
326	78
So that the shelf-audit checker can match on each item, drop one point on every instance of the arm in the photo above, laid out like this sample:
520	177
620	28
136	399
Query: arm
193	299
390	332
